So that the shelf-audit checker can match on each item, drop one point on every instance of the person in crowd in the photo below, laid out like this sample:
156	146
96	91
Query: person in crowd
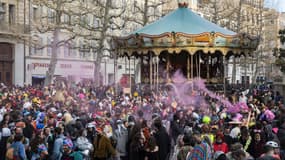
5	133
103	148
245	138
67	151
137	147
162	138
121	137
49	139
83	144
201	150
56	153
271	151
187	147
256	147
17	148
219	144
175	127
35	143
151	151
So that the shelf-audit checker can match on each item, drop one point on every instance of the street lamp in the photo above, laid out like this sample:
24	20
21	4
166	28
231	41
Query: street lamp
2	11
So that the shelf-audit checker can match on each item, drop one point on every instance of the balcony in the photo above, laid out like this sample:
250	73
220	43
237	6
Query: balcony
14	29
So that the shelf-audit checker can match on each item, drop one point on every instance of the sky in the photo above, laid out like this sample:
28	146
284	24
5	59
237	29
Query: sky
279	5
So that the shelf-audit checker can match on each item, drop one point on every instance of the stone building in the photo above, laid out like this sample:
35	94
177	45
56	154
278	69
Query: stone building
14	30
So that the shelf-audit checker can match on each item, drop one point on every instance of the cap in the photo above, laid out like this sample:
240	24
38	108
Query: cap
272	144
68	143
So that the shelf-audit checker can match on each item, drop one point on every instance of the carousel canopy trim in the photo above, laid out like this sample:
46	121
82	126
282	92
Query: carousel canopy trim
182	20
184	29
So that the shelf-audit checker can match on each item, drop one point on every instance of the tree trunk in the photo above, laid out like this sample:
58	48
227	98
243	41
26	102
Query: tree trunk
53	59
97	63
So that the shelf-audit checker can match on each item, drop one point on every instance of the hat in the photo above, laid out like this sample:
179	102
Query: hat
90	125
42	149
67	142
218	154
272	144
206	120
119	121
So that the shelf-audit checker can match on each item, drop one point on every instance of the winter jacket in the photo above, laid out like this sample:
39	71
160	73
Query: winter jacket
103	147
121	137
56	154
82	143
281	136
163	142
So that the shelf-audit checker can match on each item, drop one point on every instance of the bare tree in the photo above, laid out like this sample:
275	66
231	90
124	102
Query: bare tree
68	20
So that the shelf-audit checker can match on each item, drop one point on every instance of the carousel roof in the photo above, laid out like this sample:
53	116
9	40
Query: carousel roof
182	20
184	30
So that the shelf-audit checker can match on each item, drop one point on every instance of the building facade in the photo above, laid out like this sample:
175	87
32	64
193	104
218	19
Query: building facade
14	31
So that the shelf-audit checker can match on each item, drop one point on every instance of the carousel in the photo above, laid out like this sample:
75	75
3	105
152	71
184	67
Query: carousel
182	40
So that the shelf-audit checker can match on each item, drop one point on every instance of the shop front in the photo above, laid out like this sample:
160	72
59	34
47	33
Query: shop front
73	71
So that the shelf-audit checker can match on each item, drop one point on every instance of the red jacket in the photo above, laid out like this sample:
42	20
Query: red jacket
221	147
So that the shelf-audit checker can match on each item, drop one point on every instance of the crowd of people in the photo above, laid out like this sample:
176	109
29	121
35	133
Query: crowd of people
76	122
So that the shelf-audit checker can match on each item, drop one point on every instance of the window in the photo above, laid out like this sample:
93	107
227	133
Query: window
49	48
66	49
66	18
4	8
35	14
12	14
51	16
96	22
69	49
8	76
37	48
84	50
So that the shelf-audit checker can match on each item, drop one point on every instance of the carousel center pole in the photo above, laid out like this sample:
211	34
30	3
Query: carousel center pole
130	76
192	70
224	75
157	71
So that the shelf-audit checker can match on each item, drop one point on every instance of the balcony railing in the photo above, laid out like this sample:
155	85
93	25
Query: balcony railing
15	28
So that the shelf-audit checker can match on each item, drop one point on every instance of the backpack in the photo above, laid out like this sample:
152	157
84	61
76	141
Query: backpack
12	153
